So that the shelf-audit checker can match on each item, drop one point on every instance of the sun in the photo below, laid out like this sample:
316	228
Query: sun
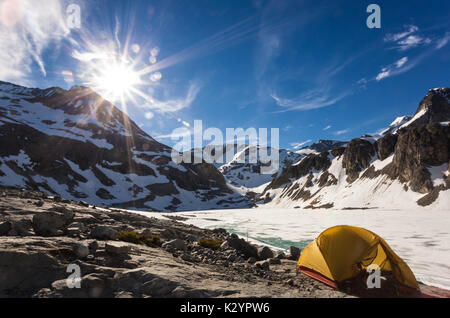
116	81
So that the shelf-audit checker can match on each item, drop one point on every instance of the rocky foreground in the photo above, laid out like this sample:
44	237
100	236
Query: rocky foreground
44	239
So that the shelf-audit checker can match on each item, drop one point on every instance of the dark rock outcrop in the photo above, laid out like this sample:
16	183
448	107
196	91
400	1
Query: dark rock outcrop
318	162
326	145
386	145
357	156
418	148
435	106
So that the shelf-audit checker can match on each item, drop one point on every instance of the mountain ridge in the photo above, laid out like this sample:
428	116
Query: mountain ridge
405	167
75	144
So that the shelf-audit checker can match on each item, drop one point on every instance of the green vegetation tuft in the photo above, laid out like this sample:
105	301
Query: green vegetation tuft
212	244
136	238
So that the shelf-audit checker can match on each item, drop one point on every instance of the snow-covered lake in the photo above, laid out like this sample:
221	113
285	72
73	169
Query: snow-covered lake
421	238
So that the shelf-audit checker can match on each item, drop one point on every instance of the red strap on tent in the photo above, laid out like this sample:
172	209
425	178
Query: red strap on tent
317	276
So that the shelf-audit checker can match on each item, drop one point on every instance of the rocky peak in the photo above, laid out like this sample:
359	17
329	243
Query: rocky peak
434	108
326	145
436	104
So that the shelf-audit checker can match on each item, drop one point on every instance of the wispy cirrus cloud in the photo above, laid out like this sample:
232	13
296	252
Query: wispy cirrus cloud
392	69
26	30
327	128
313	99
393	37
298	145
443	41
173	105
407	39
342	132
407	63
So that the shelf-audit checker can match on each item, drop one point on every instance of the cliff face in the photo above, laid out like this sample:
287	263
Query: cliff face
406	165
78	145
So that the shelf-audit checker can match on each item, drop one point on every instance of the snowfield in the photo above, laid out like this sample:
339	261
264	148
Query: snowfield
420	237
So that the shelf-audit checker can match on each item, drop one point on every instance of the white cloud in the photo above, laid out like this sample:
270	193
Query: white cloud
327	128
309	100
384	74
401	62
397	36
26	30
298	145
443	41
412	41
149	115
174	105
407	39
342	132
393	69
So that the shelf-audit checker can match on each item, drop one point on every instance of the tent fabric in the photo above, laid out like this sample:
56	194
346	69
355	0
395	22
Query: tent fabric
343	252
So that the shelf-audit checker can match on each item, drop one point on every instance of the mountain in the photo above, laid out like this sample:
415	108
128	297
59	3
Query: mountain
321	146
244	174
244	171
75	144
405	166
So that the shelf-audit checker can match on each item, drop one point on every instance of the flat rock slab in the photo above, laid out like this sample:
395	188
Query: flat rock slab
117	248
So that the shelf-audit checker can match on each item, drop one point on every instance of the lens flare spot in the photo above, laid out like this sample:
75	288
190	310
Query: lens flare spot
136	48
155	77
11	12
155	51
68	76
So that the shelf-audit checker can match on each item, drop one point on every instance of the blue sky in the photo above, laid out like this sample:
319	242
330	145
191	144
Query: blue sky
311	68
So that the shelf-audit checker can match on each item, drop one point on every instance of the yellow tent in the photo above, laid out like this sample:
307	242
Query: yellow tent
342	252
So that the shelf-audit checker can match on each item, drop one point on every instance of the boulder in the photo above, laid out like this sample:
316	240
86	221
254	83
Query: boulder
5	227
49	223
24	272
191	238
280	255
264	265
117	248
68	214
92	286
75	229
176	244
21	227
242	246
141	281
103	232
294	253
264	253
81	250
93	246
274	261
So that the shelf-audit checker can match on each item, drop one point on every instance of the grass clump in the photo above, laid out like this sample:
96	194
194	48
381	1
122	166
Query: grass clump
212	244
136	238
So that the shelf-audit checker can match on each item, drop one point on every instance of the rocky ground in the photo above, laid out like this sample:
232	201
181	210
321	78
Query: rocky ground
43	239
